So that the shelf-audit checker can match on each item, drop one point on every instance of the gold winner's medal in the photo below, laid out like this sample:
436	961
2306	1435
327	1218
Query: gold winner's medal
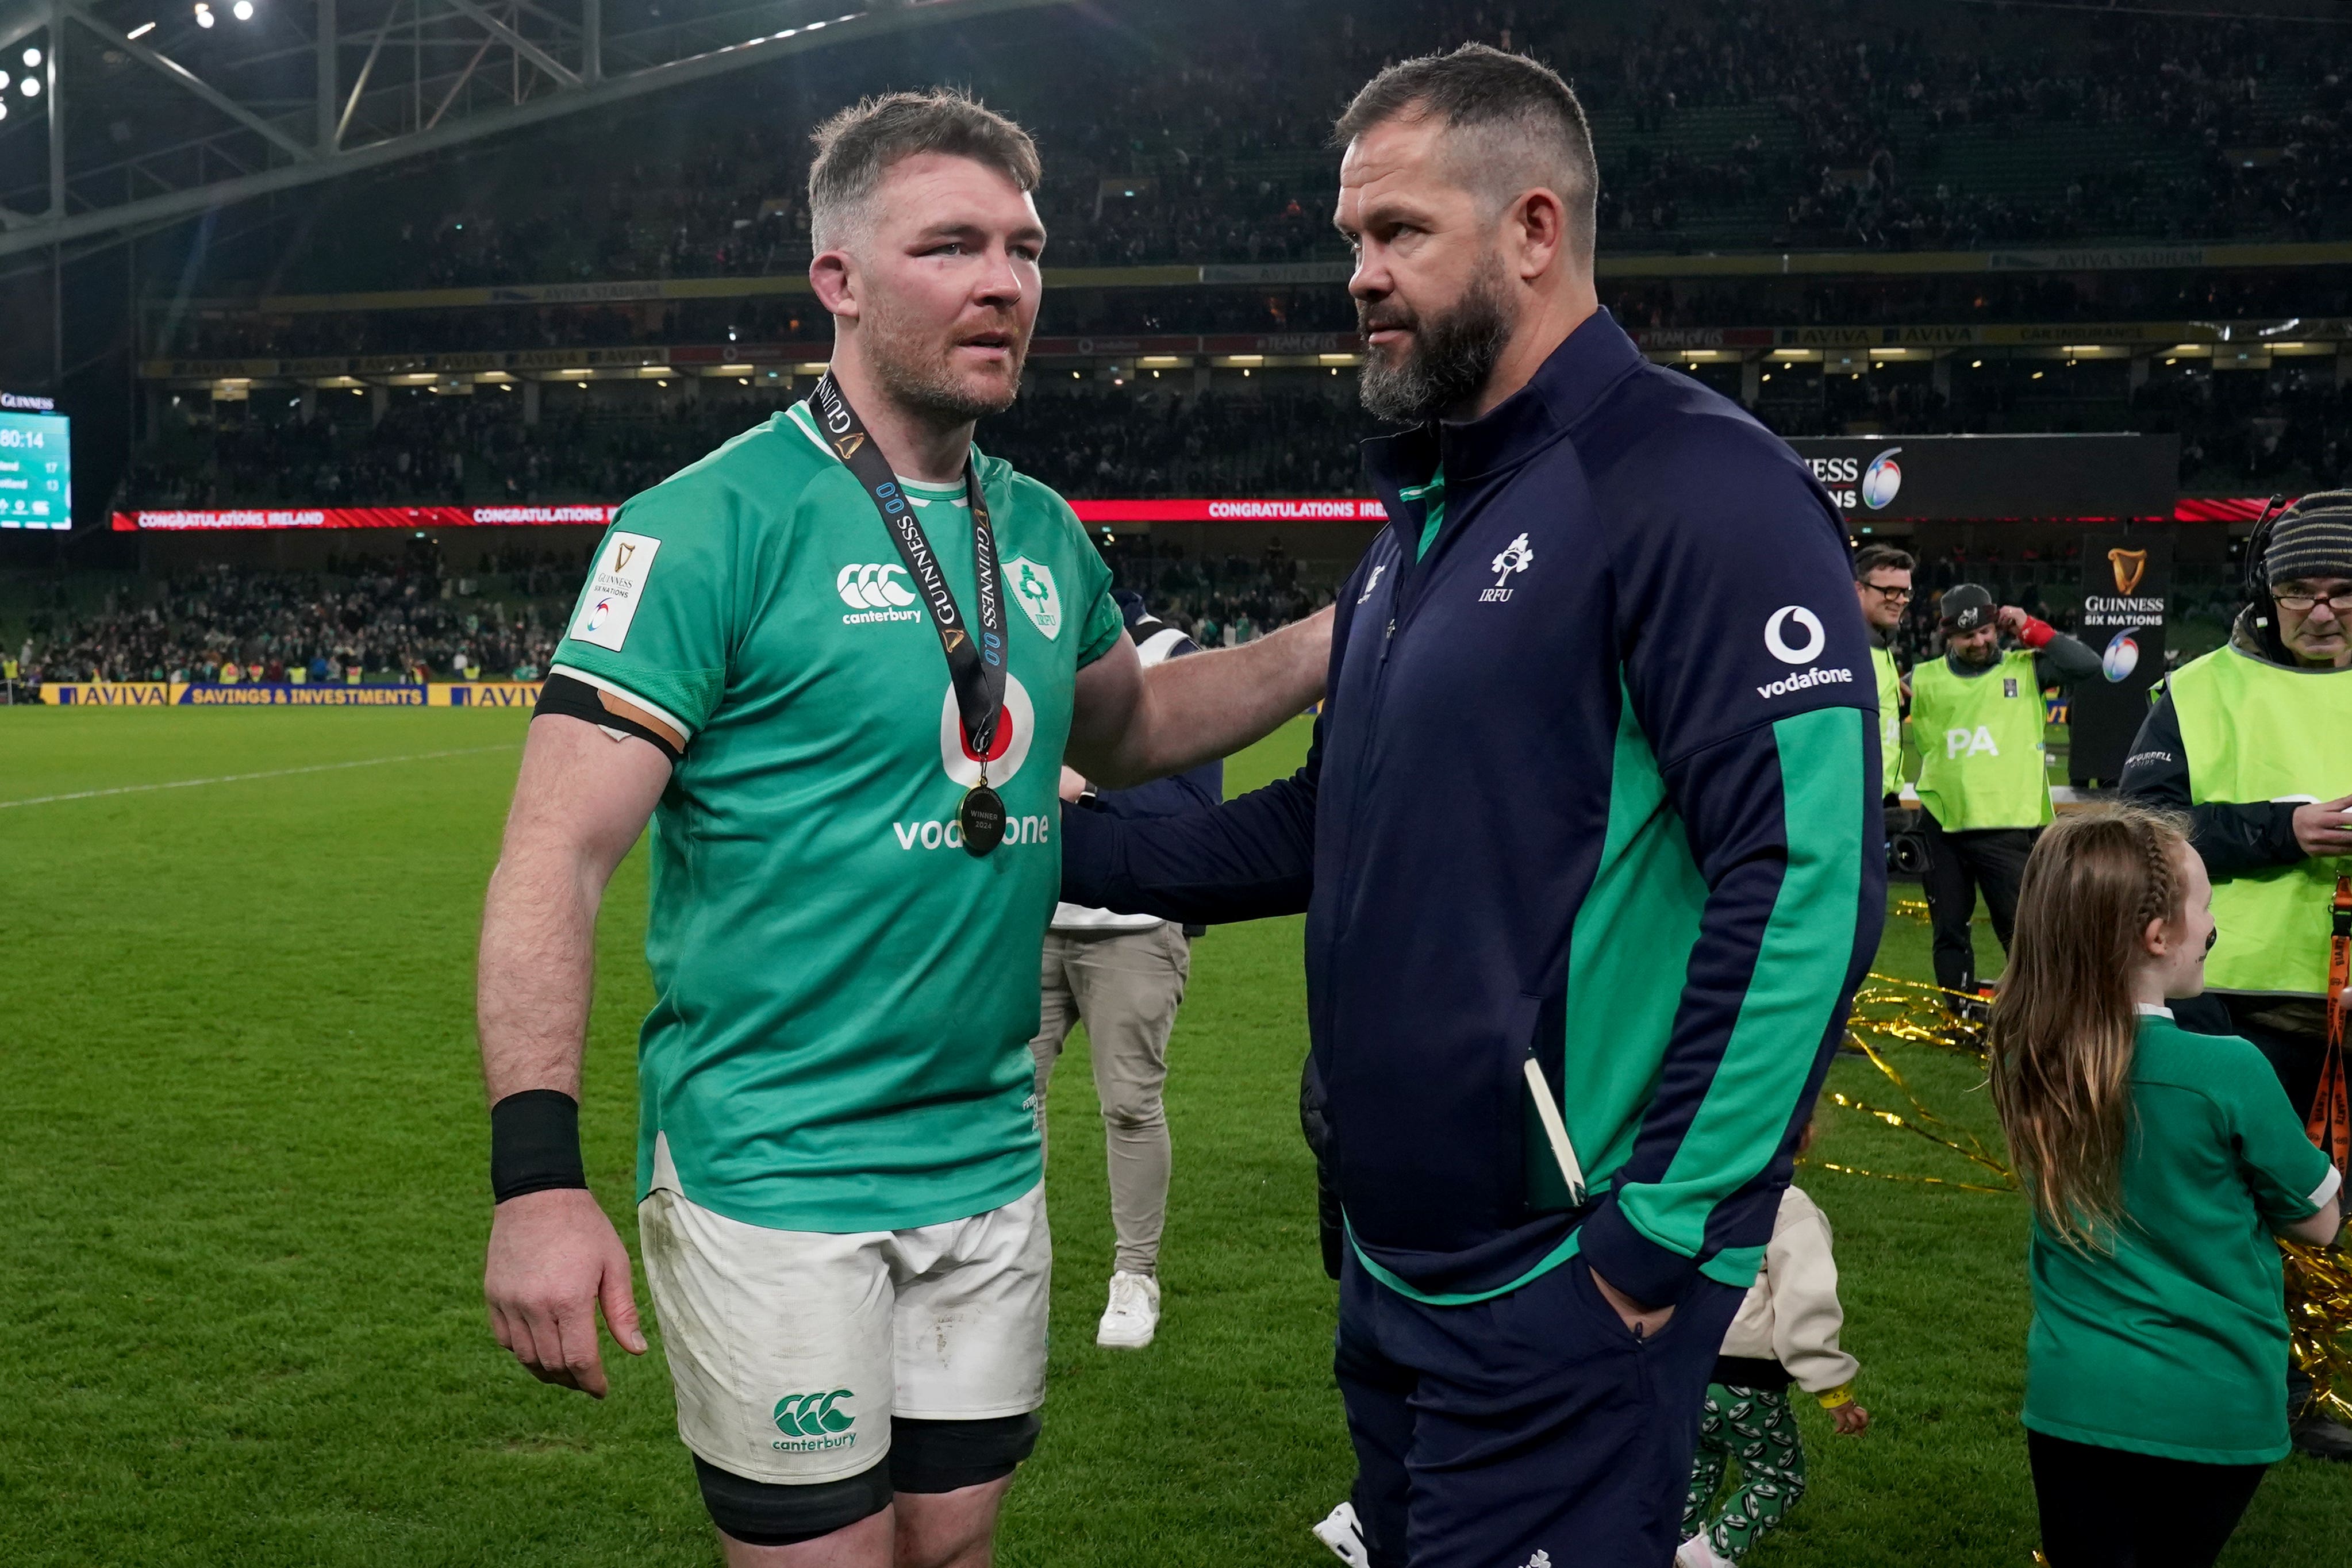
982	816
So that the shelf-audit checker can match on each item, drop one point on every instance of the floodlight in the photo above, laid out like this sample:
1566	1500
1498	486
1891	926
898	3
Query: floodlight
242	10
4	111
32	59
203	15
140	31
30	87
4	79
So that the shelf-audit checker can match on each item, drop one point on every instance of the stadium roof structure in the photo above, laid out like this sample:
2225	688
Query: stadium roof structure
118	117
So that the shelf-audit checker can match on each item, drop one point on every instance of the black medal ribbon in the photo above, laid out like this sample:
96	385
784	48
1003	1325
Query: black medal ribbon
975	663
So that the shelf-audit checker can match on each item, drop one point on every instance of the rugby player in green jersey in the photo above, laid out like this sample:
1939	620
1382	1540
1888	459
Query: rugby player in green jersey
840	690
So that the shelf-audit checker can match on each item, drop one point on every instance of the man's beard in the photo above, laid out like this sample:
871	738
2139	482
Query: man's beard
1452	355
1979	654
912	368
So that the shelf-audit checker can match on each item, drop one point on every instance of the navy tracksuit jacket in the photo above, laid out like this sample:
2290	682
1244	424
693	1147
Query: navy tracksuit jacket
1597	782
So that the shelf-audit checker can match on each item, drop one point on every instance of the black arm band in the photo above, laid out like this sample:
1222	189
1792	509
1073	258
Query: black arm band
576	699
535	1144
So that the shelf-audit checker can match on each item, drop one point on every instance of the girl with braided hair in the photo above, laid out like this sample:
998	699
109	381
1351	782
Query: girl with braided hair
2159	1163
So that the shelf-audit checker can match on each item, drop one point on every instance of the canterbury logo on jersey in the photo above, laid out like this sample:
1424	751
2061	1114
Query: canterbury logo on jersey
871	589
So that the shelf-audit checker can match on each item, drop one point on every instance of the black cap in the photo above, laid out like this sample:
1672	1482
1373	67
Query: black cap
1967	606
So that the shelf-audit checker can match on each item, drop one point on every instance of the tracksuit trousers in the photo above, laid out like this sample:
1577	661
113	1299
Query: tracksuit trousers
1125	986
1959	866
1532	1428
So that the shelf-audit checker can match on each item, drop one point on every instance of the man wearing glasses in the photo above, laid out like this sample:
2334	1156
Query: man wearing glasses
1882	581
2254	742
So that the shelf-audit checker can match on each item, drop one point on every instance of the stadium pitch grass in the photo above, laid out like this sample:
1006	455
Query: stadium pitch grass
246	1166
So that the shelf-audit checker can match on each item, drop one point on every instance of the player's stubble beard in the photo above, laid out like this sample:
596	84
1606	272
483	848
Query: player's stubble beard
910	363
1452	355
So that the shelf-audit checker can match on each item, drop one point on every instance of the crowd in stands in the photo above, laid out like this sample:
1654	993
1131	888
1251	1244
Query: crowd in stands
2241	432
443	450
2163	128
1226	600
1276	442
454	450
2236	294
367	618
363	619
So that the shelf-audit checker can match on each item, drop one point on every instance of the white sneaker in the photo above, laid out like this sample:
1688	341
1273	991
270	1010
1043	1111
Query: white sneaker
1344	1536
1133	1315
1698	1552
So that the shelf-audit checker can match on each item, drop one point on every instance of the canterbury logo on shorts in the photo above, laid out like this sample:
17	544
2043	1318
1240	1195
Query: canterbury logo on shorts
815	1419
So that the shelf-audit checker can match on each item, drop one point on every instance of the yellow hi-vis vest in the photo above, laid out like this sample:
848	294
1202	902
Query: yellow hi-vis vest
2255	731
1980	745
1890	720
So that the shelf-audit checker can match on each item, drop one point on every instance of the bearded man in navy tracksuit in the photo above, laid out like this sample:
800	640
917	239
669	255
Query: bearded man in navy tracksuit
1596	788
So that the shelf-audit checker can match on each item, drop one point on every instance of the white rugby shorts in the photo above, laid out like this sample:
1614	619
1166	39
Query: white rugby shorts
791	1350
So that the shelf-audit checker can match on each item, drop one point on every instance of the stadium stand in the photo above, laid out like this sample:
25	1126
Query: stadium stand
384	619
642	280
1721	125
1284	433
406	616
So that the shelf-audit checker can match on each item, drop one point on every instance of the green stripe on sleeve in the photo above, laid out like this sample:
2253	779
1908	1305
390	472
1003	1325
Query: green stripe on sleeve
1800	968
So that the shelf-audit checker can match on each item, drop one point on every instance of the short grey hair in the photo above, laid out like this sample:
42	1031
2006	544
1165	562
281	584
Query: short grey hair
1527	125
855	148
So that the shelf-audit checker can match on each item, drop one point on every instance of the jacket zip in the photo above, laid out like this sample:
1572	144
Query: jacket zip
1409	570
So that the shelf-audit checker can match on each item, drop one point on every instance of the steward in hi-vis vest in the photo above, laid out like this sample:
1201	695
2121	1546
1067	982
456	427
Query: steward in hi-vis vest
1882	581
2254	742
1984	789
1890	718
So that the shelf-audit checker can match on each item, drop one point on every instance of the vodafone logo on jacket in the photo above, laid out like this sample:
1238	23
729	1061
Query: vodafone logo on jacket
1016	722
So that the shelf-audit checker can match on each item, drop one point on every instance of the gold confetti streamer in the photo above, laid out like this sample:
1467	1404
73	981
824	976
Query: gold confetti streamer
1923	1180
2319	1321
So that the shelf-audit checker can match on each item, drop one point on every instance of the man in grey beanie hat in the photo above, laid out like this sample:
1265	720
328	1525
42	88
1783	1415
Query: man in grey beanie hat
2254	743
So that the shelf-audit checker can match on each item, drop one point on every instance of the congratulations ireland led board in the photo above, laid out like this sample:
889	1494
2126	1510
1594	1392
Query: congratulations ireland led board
35	464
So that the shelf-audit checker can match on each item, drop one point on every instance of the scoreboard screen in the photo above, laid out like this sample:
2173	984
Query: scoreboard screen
36	469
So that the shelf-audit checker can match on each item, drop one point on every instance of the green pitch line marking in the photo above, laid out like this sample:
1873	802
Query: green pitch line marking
240	778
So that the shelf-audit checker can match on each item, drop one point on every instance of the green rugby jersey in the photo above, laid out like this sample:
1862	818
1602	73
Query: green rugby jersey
845	997
2174	1343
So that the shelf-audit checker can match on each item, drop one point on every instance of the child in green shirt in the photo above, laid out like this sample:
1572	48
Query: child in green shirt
2160	1164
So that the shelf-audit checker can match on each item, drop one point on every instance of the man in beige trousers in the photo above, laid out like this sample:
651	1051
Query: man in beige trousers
1123	976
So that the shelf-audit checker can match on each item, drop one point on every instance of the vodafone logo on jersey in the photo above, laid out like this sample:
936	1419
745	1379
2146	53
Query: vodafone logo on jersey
1016	722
